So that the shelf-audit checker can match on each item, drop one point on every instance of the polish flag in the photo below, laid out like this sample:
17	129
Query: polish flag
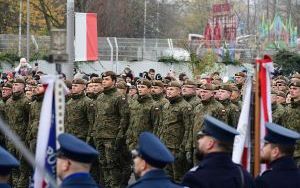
242	143
86	38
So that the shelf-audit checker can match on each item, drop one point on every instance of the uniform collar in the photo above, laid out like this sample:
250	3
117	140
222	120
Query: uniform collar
189	97
216	159
154	174
78	96
110	91
175	99
144	98
285	162
157	97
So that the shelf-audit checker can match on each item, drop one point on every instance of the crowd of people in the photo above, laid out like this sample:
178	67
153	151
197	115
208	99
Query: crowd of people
190	124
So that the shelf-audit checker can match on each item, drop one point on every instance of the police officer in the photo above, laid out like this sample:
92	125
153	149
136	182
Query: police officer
74	160
7	163
150	157
216	168
278	153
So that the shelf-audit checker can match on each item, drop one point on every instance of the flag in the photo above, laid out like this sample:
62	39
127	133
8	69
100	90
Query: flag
265	70
86	38
48	131
242	144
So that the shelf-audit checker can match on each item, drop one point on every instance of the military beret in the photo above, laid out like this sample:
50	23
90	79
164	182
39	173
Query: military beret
189	82
208	87
7	162
68	84
78	81
145	82
174	84
218	129
297	75
8	85
75	149
295	83
96	80
121	85
281	94
226	87
242	74
153	151
19	80
277	134
157	83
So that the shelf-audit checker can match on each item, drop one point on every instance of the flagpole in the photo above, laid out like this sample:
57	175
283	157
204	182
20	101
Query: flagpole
257	124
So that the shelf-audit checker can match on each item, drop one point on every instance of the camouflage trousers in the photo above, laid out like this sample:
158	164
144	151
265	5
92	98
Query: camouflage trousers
177	169
109	161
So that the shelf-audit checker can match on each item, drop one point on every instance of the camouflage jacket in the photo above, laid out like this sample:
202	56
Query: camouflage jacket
193	100
291	120
160	101
79	116
233	112
277	113
34	118
176	122
143	113
111	115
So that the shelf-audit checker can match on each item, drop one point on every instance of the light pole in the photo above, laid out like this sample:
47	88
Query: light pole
20	29
145	19
68	67
28	31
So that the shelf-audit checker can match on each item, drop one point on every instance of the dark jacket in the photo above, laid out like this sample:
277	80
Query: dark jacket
154	178
283	173
217	170
79	180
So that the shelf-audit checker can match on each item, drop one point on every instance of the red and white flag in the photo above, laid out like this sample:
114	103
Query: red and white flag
86	37
242	143
265	70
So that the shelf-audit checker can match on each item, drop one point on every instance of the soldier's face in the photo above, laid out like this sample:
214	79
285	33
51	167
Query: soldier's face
280	100
295	92
97	87
198	92
77	88
206	94
269	152
28	94
39	89
89	88
239	79
143	90
173	92
18	87
188	90
156	90
107	82
6	92
224	94
132	92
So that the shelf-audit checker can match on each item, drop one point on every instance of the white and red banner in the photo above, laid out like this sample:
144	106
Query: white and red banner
242	143
265	70
86	37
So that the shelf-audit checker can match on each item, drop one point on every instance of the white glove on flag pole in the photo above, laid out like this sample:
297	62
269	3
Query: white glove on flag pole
241	147
86	37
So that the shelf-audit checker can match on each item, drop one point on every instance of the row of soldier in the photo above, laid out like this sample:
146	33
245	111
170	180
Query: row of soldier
110	115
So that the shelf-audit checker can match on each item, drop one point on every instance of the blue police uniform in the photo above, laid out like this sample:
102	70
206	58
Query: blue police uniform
283	171
7	162
158	156
216	169
77	150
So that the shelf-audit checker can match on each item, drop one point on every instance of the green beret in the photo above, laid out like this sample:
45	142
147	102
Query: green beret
240	74
281	94
145	82
8	85
226	87
157	83
208	86
121	85
96	80
295	83
174	84
79	81
189	82
19	80
68	84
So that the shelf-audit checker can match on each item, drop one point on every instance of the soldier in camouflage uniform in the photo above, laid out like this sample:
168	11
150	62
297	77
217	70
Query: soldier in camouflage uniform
291	117
233	112
277	109
143	112
281	98
17	113
208	106
79	115
111	122
175	126
122	87
6	94
236	97
239	79
95	84
157	90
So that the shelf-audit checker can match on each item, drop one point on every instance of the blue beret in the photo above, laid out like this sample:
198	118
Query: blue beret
153	151
279	135
7	161
75	149
218	129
